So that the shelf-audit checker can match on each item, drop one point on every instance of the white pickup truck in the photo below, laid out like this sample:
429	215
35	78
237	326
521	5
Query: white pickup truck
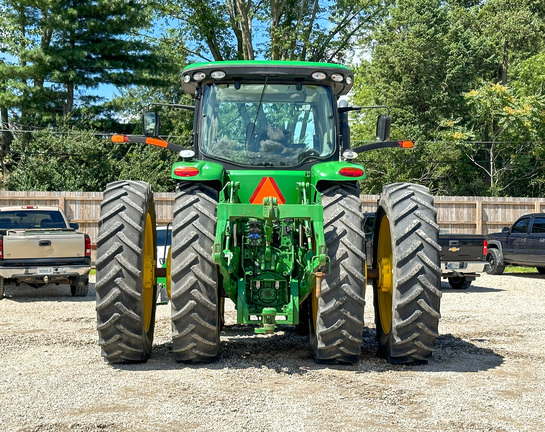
39	246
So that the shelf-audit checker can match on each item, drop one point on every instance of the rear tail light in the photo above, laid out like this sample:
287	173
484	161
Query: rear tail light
1	248
351	172
87	246
186	171
485	248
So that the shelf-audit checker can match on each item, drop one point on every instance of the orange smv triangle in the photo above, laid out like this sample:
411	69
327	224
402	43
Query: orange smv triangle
267	187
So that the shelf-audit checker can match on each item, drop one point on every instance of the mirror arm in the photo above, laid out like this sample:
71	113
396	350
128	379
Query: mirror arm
187	107
358	108
383	144
147	140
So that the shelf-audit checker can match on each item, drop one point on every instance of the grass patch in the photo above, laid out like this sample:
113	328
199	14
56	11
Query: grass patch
517	269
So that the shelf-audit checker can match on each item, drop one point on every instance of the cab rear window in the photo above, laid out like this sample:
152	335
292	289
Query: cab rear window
20	219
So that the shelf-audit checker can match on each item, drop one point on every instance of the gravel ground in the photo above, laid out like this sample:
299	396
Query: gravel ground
488	372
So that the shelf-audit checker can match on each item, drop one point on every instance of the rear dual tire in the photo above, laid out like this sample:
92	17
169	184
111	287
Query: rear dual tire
125	285
406	255
336	318
196	307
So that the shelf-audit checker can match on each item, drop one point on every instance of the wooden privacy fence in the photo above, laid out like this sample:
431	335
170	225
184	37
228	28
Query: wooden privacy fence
461	215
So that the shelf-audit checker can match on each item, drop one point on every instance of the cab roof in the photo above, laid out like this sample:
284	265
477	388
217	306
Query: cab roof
339	77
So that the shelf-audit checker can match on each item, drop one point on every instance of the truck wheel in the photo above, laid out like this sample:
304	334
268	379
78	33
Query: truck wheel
196	309
406	255
79	286
459	282
336	322
495	262
125	280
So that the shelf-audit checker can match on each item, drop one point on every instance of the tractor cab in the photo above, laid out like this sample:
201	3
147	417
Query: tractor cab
280	115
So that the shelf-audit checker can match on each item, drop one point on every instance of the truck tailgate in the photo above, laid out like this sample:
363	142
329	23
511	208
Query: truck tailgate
39	244
460	247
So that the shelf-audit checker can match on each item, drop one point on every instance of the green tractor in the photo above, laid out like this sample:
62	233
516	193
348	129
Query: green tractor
268	214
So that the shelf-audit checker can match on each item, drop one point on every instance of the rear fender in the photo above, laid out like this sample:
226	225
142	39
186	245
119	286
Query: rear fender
494	244
336	172
198	171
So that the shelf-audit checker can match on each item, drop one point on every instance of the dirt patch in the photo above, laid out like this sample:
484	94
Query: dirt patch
487	374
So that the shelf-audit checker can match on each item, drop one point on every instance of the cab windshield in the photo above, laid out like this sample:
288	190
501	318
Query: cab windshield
267	124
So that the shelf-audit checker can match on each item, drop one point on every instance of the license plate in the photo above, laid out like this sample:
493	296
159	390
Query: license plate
453	265
45	270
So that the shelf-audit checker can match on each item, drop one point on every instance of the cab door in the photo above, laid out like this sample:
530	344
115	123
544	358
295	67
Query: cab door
536	242
516	245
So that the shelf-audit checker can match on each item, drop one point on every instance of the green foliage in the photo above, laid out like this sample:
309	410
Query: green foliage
437	65
279	30
83	161
53	48
75	160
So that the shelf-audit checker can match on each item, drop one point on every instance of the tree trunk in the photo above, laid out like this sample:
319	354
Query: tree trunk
505	63
245	25
5	140
67	109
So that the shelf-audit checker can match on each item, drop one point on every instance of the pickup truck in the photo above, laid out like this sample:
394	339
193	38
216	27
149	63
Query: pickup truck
39	246
523	244
463	256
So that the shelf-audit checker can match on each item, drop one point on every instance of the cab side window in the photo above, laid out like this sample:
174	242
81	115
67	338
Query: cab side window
521	227
539	226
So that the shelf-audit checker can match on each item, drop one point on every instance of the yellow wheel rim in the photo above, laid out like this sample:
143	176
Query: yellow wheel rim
148	274
385	270
168	273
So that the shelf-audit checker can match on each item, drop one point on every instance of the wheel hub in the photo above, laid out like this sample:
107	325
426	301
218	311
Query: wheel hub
385	274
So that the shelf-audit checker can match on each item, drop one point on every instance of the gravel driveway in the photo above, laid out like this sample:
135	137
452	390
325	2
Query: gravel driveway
488	372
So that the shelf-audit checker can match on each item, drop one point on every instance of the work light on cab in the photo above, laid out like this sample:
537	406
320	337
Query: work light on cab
319	76
218	74
186	171
199	76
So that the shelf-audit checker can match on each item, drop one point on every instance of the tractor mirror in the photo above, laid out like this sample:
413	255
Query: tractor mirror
383	127
151	124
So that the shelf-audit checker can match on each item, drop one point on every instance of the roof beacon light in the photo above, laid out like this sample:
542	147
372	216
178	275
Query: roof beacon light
187	153
199	76
337	77
218	74
406	144
349	154
319	76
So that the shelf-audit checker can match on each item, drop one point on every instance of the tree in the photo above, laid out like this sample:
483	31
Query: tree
509	31
53	48
436	64
513	128
274	29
